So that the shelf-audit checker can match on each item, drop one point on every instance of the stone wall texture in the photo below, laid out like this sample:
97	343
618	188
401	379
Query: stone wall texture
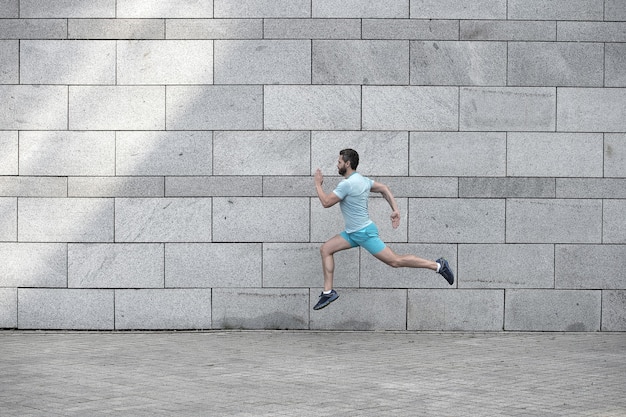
156	162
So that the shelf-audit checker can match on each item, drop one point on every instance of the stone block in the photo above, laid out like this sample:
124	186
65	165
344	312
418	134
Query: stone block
287	265
362	309
456	220
377	274
8	153
42	9
213	265
552	310
15	186
261	153
614	311
325	222
467	310
507	187
153	309
410	29
507	30
235	107
614	221
9	9
458	63
556	9
117	107
553	221
8	308
363	62
250	219
66	220
577	267
164	153
165	62
615	72
67	153
555	64
116	28
592	31
227	186
312	29
554	154
455	9
33	107
262	8
33	29
591	109
301	107
115	187
396	9
9	62
591	188
466	154
289	186
214	28
508	109
421	186
615	155
262	62
614	10
115	265
67	309
146	9
67	62
380	213
260	309
8	219
163	220
33	265
380	153
519	266
410	108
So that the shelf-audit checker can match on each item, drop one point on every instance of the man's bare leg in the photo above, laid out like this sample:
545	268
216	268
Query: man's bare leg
409	261
328	249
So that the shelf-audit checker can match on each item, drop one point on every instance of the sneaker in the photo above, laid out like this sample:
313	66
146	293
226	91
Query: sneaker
326	299
445	270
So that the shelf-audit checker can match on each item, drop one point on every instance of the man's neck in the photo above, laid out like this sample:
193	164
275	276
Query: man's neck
349	172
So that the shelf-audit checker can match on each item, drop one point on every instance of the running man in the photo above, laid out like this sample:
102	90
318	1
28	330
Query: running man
352	195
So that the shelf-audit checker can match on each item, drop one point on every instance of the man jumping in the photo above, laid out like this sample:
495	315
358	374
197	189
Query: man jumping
352	195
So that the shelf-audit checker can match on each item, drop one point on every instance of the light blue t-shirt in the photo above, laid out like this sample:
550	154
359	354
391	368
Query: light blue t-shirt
354	192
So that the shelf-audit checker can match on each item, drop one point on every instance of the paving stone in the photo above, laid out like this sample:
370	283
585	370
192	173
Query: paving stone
67	8
219	186
163	219
614	10
165	62
464	9
591	188
33	107
63	153
458	63
288	186
115	186
157	309
66	220
508	30
576	266
57	308
554	154
235	308
615	155
479	310
67	62
614	221
213	265
8	308
33	29
144	9
214	28
33	265
410	29
507	187
21	186
115	265
262	8
9	62
591	31
360	8
312	28
556	10
552	310
466	154
9	9
615	71
8	153
591	109
116	28
613	311
164	153
553	221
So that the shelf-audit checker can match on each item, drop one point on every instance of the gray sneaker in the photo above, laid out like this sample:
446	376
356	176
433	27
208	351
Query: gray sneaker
326	299
445	270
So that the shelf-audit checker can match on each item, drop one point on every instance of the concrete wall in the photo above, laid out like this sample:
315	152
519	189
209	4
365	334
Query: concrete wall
156	162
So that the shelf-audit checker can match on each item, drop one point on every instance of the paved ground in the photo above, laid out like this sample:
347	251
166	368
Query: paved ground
271	373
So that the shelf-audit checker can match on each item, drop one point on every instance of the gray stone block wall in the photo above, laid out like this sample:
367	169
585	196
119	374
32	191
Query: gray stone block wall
156	162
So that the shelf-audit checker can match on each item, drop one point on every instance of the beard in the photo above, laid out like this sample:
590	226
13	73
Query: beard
342	171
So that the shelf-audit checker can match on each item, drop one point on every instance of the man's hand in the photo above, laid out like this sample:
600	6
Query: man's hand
319	178
395	219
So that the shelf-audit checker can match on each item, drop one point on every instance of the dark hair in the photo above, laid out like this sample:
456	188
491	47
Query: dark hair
350	155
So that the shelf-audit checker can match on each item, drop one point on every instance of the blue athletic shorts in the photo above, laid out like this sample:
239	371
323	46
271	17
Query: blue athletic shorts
367	238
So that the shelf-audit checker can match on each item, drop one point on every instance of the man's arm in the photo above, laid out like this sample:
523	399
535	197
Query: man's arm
379	187
327	200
